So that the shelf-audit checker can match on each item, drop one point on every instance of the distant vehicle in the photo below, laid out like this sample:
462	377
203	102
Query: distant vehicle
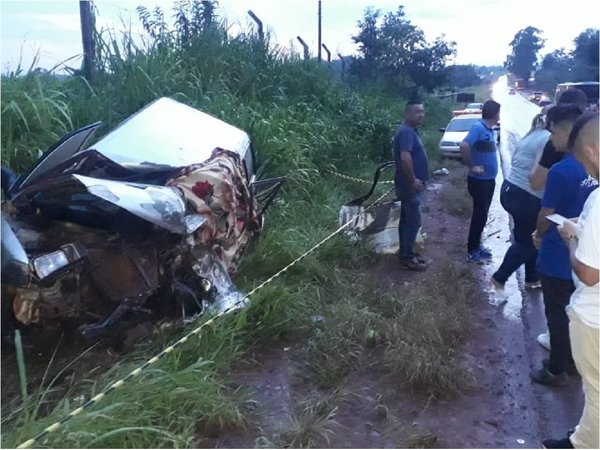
520	84
455	132
589	87
535	96
471	108
511	91
545	100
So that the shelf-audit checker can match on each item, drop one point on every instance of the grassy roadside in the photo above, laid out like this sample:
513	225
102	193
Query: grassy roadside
301	122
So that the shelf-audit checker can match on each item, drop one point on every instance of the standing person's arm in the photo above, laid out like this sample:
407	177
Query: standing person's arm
538	175
553	195
583	252
543	163
467	144
465	152
409	171
403	144
543	225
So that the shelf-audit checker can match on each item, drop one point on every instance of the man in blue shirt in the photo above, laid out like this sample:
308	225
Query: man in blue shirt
567	188
478	151
412	172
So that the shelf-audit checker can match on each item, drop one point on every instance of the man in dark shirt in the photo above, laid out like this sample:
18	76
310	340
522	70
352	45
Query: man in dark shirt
412	172
549	155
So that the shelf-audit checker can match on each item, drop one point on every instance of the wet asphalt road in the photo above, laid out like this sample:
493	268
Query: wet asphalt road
536	412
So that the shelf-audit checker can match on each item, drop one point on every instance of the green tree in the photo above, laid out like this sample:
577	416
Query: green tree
463	76
525	47
555	68
370	45
585	55
395	52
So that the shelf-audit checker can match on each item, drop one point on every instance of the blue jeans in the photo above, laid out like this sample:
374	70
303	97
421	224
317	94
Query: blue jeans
524	208
410	222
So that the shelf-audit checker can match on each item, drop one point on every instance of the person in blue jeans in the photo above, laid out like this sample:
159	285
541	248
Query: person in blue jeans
412	172
567	188
478	151
523	204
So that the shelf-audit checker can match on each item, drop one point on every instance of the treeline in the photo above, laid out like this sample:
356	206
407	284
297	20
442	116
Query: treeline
461	76
558	66
581	64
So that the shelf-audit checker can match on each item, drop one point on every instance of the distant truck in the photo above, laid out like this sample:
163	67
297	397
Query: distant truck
520	84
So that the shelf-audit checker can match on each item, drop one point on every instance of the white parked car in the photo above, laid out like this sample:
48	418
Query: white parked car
454	133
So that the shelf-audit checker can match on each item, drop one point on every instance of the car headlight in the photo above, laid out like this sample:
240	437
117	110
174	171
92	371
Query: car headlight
50	263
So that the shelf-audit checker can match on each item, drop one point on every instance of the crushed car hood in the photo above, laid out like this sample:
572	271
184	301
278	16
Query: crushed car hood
169	133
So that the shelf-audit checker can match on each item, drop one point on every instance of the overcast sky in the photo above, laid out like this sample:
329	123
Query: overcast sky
482	29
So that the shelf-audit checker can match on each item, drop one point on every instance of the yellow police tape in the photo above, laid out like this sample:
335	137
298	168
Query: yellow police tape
349	177
134	373
357	180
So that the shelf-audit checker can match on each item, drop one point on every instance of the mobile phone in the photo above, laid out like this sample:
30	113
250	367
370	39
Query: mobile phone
557	219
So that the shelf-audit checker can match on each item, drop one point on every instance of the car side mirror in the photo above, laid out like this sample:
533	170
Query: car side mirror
442	130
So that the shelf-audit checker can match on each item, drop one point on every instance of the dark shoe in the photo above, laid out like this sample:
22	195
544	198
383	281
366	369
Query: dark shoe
475	257
557	443
571	369
413	264
544	376
485	253
427	262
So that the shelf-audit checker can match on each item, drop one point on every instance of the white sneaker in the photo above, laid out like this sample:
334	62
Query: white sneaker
544	340
498	287
533	285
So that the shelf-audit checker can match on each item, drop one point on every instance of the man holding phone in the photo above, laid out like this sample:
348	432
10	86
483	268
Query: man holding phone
583	240
564	195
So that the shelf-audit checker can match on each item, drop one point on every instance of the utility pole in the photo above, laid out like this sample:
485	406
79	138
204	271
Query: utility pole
319	38
87	38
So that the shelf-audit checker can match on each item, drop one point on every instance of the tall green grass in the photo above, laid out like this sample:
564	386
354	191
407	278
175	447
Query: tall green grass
302	122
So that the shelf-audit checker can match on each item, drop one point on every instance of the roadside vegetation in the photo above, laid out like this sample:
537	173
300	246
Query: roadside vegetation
303	123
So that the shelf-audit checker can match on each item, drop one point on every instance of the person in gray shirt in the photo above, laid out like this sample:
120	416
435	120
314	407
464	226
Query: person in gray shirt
523	204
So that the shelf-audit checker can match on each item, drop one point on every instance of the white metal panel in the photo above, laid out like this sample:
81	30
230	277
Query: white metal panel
170	133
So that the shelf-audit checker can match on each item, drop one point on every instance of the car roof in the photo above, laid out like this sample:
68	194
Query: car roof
467	116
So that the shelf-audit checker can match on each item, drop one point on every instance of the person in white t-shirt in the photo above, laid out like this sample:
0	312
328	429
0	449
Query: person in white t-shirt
583	239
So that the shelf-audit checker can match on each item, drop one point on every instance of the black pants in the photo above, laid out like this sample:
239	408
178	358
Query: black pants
482	192
557	294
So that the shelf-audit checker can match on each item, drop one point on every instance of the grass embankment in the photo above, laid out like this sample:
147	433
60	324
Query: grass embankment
301	122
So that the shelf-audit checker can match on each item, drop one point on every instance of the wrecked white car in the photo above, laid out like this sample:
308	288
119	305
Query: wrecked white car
148	222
